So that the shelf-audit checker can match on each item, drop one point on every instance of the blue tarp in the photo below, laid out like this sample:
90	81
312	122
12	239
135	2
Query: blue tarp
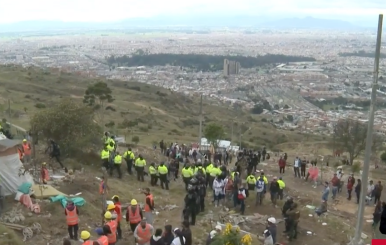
25	187
78	201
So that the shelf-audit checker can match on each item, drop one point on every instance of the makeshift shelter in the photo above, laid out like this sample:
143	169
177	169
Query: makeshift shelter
10	166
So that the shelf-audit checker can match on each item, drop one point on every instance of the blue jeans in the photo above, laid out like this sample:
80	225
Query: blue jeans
242	208
334	191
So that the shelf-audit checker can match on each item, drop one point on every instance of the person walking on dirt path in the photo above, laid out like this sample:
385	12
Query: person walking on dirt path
133	214
129	158
72	218
281	188
140	165
117	165
282	164
260	190
112	237
153	174
297	163
303	166
118	211
54	152
163	176
149	206
378	188
286	206
335	185
326	191
143	233
274	189
293	219
358	189
272	228
44	174
105	157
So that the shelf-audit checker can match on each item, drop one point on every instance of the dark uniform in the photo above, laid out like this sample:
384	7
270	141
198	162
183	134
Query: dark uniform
190	209
293	220
287	205
201	191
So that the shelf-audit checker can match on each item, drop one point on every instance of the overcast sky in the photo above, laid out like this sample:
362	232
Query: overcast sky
113	10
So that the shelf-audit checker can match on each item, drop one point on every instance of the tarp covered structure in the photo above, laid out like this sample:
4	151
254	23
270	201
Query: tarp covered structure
10	166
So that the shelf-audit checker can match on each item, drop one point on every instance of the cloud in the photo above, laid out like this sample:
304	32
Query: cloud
112	10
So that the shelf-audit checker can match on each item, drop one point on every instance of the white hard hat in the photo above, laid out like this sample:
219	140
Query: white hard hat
218	227
272	220
109	202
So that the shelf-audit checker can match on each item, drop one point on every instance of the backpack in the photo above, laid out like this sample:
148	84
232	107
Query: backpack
229	185
260	184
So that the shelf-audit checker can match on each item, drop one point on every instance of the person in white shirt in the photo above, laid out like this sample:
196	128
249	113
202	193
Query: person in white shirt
370	192
297	163
179	238
218	189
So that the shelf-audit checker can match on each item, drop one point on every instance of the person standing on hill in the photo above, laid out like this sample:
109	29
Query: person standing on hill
297	164
282	164
26	151
149	206
72	219
133	214
140	165
129	158
54	152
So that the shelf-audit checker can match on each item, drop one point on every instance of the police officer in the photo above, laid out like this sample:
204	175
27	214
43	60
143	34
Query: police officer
187	174
117	165
293	219
287	205
163	175
153	174
129	158
201	185
105	156
190	211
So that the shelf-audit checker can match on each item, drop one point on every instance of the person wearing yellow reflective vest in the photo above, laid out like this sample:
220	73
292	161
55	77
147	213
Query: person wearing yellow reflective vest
163	176
140	165
251	181
193	168
117	165
153	174
207	170
199	168
264	178
281	188
105	156
129	158
214	172
187	174
111	149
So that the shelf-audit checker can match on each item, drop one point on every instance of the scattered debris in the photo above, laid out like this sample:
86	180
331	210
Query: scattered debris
13	216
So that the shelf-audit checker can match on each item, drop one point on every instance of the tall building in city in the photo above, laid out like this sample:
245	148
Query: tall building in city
231	67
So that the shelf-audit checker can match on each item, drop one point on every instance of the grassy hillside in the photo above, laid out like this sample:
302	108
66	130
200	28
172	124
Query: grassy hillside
147	111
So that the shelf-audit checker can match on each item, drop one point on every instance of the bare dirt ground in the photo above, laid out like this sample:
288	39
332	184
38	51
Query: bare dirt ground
340	220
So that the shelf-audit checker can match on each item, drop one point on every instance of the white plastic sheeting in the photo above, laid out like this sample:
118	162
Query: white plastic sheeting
9	174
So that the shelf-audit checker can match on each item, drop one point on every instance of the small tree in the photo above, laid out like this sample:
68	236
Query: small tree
96	95
213	132
69	123
383	157
135	139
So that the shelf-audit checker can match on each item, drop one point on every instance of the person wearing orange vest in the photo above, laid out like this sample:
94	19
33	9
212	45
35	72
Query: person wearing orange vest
85	236
45	176
26	151
72	218
133	214
149	206
103	233
112	237
118	211
143	233
20	151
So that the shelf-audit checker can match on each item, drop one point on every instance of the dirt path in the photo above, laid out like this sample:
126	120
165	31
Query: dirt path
162	112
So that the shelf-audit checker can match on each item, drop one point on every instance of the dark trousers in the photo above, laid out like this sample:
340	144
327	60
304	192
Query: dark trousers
349	194
202	203
297	173
280	194
186	181
73	231
376	198
140	174
358	194
303	171
119	230
293	230
164	181
242	206
133	226
57	158
281	170
190	215
129	163
211	179
153	179
105	163
118	168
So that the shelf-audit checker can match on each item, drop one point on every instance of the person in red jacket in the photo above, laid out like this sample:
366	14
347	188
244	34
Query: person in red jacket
282	165
349	187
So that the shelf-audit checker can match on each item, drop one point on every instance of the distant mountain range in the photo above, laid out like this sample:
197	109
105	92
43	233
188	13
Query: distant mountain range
203	21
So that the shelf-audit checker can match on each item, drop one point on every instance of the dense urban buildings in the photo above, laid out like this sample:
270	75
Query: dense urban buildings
231	67
315	93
